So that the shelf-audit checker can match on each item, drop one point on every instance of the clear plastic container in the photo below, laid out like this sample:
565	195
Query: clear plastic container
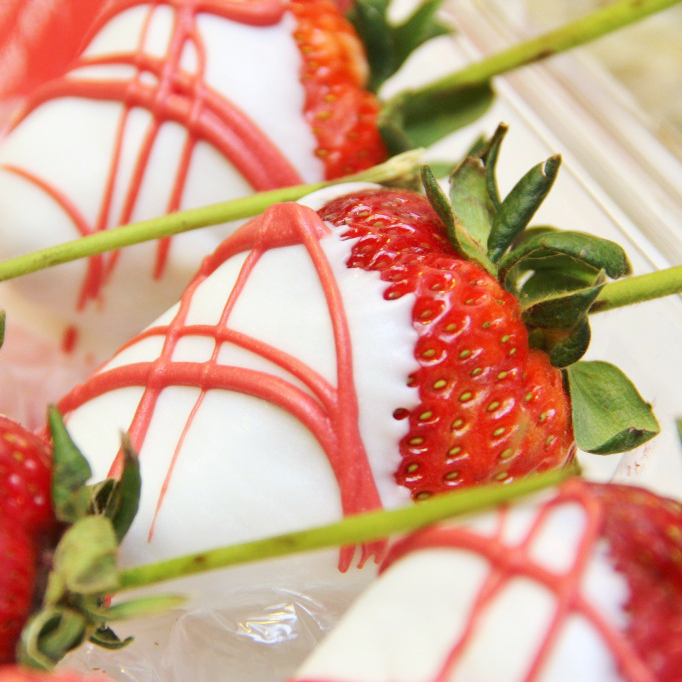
617	181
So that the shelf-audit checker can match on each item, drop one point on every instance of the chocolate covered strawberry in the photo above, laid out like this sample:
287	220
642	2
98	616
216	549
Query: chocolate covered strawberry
172	105
490	408
327	363
149	107
582	584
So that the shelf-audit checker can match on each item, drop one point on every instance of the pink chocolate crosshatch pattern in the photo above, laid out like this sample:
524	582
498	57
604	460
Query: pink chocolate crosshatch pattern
174	94
329	412
612	524
508	561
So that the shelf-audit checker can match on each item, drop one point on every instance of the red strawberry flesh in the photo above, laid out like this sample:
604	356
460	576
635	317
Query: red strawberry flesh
16	586
25	477
644	533
340	112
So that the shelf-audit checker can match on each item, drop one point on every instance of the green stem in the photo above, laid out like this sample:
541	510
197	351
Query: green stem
575	33
183	221
639	289
353	530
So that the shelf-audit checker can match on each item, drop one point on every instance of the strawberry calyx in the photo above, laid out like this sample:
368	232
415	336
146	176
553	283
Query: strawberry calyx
420	116
388	44
415	117
557	276
84	571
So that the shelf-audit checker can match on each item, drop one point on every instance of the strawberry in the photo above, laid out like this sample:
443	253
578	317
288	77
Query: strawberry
277	94
58	537
25	477
359	355
309	117
27	525
489	407
18	674
582	583
16	585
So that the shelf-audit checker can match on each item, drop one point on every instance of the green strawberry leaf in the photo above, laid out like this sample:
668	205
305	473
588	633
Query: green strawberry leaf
71	471
609	415
561	311
441	206
416	119
520	205
470	200
124	501
106	638
459	237
49	636
388	45
566	348
369	18
488	155
101	496
393	132
533	252
531	233
551	282
474	198
85	559
567	351
3	317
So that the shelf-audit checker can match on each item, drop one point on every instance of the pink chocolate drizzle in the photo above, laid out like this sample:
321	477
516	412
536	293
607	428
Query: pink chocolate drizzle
176	95
330	413
510	561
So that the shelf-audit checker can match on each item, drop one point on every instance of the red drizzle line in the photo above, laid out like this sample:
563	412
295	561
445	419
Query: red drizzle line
331	414
510	562
176	96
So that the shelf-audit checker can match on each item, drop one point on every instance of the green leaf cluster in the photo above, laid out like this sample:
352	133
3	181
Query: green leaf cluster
388	45
556	275
417	117
84	571
481	225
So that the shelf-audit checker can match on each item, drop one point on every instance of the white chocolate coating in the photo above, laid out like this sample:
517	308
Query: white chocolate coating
69	142
404	627
246	468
